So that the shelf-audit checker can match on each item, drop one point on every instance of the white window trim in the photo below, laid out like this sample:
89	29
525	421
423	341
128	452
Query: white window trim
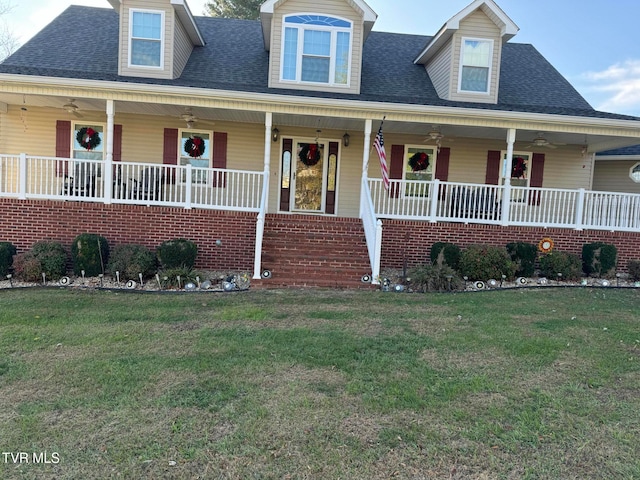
490	73
75	126
634	177
162	39
504	167
300	53
208	154
433	160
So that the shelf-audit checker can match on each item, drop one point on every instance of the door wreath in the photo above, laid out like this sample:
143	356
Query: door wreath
88	138
309	154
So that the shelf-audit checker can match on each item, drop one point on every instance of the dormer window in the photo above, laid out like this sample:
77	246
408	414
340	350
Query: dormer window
146	40
316	49
475	65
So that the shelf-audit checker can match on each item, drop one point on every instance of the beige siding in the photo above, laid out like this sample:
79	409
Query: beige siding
155	5
613	176
440	71
336	8
477	25
182	48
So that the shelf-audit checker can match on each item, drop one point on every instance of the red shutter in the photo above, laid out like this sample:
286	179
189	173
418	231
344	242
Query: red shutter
220	158
117	143
330	207
537	170
170	150
493	167
63	146
285	193
396	168
442	169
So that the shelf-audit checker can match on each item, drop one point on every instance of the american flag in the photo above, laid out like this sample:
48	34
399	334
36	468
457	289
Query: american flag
378	143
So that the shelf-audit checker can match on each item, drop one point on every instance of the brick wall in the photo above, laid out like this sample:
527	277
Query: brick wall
25	222
413	240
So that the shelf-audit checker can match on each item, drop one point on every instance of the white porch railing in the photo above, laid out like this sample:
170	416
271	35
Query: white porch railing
437	201
30	177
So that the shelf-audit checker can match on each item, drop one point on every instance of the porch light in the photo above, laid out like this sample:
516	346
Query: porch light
275	134
345	139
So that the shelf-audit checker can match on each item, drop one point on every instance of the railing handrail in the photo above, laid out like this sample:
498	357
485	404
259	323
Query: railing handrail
372	230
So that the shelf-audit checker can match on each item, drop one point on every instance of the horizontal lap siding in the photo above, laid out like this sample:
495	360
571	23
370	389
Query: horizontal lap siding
440	71
182	49
613	176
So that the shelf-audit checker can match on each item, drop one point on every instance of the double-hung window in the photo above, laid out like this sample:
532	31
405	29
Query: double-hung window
146	41
475	65
316	49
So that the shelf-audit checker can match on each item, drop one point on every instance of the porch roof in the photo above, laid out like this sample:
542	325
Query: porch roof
82	43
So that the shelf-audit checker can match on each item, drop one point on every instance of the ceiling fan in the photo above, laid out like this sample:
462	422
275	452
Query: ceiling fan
190	118
72	108
435	135
541	141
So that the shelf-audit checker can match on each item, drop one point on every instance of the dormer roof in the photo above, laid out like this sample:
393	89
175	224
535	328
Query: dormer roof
269	6
508	28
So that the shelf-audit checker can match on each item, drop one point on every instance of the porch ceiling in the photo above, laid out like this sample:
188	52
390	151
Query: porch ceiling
92	108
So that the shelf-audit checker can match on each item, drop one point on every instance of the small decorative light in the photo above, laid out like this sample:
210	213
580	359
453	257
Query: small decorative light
275	134
584	282
521	281
493	283
190	286
605	283
130	284
542	281
228	286
158	281
479	285
398	288
64	281
266	274
365	278
346	138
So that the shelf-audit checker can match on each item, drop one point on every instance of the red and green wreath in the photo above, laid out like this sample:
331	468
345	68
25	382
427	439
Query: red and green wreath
88	138
419	161
194	146
518	167
310	154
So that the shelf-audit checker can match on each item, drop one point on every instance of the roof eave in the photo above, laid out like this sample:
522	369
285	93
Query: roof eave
189	23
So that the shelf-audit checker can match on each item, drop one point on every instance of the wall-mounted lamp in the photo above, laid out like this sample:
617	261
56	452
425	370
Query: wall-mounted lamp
346	138
275	134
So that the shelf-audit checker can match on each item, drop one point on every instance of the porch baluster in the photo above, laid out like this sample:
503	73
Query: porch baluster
23	177
435	199
188	187
506	202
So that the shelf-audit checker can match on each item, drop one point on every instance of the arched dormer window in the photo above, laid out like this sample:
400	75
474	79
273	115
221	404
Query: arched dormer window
316	49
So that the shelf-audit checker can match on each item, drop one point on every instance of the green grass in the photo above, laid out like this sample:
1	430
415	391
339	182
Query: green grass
530	383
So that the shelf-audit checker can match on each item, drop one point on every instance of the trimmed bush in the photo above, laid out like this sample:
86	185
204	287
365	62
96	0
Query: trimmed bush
45	257
132	260
89	252
169	277
524	255
7	251
634	270
568	264
434	277
177	253
445	253
482	262
599	259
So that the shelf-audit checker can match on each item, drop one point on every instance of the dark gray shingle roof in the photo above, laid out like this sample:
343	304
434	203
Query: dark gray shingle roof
82	43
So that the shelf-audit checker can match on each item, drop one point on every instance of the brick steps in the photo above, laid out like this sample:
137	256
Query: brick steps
314	251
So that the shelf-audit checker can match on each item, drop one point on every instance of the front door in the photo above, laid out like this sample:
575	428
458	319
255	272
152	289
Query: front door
309	173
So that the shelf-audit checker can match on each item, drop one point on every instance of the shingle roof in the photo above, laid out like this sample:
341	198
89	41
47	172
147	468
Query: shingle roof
82	43
633	150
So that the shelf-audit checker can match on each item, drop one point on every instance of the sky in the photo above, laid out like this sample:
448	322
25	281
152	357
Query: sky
595	44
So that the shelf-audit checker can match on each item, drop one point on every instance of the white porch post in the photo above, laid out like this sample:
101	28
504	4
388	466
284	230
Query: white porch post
506	192
365	155
257	259
108	165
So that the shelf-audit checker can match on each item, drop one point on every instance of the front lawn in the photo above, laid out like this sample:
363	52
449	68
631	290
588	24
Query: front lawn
529	383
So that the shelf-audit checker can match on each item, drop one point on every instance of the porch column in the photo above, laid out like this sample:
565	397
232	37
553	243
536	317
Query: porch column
506	192
257	258
108	166
365	155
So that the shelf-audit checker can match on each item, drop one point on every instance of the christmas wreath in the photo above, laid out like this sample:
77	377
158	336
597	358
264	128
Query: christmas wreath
194	146
309	154
88	138
419	161
518	167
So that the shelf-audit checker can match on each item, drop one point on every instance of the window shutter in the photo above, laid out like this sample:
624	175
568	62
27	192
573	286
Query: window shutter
442	169
220	158
330	206
170	150
493	167
395	168
285	181
63	146
117	143
537	170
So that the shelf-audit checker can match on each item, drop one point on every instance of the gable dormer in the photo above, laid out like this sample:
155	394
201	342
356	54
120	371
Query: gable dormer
463	58
156	38
317	47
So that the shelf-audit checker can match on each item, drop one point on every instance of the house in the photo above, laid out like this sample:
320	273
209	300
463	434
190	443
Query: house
255	139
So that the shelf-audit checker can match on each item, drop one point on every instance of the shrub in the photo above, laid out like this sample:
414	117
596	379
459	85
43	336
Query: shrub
434	277
169	277
524	255
177	253
634	270
131	260
482	262
45	257
7	251
445	253
568	264
599	259
89	252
